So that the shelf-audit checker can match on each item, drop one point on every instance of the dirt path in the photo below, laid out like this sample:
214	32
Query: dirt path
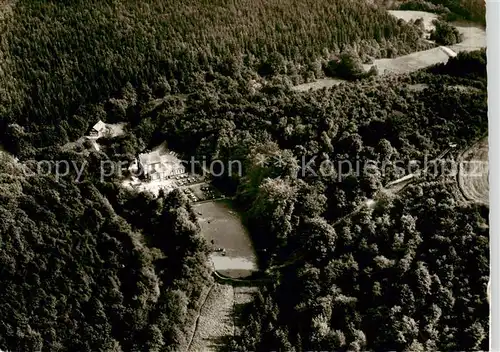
392	188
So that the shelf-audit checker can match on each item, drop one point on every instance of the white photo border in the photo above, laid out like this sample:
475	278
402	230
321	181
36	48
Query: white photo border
493	60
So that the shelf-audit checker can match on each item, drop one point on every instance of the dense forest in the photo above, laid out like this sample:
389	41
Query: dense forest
82	273
62	56
445	34
371	282
410	275
90	266
343	273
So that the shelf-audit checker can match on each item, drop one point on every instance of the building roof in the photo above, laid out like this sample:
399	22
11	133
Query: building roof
99	126
149	159
156	161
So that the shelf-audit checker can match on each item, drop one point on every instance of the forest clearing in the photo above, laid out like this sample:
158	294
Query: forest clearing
219	319
473	173
318	84
474	38
408	15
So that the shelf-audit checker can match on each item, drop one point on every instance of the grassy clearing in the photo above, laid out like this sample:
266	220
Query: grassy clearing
411	62
474	37
473	173
221	317
407	16
195	311
215	325
320	83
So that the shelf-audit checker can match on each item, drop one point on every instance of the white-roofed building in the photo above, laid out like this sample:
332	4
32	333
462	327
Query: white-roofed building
159	165
99	129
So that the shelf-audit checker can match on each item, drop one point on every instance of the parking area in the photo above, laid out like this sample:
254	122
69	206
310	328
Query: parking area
201	192
187	179
182	181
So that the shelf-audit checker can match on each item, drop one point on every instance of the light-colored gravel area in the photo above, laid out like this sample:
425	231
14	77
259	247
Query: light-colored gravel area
116	129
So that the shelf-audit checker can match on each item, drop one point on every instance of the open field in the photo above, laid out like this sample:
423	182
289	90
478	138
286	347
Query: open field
220	317
407	16
418	87
215	324
220	224
318	84
474	37
473	173
411	62
421	86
